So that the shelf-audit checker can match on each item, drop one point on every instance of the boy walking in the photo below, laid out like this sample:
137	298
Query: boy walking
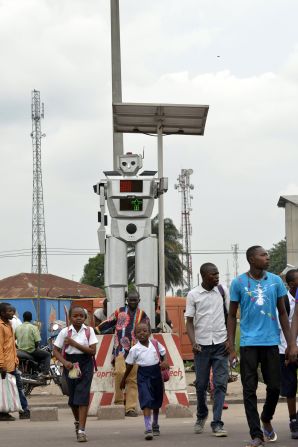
260	295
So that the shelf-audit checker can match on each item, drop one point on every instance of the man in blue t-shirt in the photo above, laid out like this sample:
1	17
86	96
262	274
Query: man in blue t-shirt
260	295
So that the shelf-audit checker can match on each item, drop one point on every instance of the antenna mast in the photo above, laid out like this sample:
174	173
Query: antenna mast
184	186
39	263
235	251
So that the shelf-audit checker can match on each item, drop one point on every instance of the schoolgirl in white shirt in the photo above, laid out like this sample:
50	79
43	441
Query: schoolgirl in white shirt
150	358
75	348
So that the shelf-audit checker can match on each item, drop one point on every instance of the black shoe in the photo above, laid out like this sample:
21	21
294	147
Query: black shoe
24	415
131	413
294	429
6	417
155	430
148	435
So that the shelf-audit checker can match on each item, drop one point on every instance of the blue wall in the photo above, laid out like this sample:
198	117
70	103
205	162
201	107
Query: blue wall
50	309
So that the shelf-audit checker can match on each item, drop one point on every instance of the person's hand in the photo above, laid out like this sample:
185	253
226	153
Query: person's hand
164	365
68	341
3	373
227	347
122	384
68	365
196	348
233	357
291	354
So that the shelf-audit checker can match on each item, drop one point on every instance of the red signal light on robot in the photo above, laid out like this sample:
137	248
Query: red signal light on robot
131	186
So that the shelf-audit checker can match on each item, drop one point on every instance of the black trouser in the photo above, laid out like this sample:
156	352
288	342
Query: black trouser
268	358
43	358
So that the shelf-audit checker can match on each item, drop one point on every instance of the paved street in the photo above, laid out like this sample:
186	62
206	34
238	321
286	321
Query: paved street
130	431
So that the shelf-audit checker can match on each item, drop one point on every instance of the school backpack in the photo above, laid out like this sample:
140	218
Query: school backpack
165	373
222	292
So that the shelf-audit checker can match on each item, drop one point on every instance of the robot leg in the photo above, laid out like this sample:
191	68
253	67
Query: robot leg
115	273
146	275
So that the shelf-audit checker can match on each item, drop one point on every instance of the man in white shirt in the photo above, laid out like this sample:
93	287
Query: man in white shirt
206	310
288	383
15	322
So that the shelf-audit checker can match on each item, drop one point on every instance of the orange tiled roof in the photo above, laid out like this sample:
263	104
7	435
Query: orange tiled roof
25	285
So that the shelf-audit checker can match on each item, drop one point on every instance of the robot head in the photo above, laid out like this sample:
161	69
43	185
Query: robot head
130	164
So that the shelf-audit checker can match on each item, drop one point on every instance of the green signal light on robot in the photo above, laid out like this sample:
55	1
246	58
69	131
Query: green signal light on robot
132	204
136	203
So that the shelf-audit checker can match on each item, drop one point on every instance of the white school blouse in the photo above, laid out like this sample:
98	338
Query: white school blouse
79	337
143	355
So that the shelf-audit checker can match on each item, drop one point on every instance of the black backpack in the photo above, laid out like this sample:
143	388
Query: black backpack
222	292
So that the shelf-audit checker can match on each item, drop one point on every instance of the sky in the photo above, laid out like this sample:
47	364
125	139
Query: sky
238	57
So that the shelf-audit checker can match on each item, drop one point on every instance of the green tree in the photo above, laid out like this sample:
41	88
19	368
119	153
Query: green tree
278	257
94	272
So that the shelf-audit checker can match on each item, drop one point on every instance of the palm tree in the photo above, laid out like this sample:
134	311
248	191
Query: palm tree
173	249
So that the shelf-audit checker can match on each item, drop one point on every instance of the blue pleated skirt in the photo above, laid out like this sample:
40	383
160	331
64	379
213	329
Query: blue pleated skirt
79	389
150	386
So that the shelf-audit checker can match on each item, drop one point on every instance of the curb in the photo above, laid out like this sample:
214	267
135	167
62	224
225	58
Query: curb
48	404
192	401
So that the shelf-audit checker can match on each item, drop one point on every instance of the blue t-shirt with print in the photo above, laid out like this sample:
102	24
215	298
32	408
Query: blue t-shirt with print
296	296
258	301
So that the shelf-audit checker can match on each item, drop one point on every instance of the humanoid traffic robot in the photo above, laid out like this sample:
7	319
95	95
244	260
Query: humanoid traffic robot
130	199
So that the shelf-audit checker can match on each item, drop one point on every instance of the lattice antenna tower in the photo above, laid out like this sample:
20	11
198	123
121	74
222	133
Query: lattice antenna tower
184	188
235	252
39	262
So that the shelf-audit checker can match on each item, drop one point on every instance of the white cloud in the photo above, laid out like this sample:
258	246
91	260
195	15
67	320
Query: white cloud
169	54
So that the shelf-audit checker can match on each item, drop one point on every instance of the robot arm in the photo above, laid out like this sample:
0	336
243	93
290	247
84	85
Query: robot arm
100	189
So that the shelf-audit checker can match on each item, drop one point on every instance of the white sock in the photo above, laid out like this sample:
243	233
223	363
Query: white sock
81	431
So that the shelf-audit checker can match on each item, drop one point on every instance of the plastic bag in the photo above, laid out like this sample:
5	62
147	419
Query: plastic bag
75	372
9	395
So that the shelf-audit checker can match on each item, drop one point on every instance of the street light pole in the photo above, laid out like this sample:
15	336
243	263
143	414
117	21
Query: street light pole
116	74
161	241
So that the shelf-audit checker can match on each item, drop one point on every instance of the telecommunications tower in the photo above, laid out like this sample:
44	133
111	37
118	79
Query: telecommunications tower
184	186
235	251
39	263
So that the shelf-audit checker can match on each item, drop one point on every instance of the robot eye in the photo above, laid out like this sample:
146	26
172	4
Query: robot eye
133	163
124	163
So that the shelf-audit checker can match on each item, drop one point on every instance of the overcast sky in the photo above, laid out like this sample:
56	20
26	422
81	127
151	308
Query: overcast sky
239	57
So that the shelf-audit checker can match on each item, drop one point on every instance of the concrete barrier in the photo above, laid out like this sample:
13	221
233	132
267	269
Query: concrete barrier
103	386
41	414
178	411
109	412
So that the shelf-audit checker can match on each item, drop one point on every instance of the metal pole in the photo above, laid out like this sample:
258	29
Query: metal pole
161	241
38	283
116	74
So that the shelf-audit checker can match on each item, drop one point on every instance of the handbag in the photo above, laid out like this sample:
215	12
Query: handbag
9	395
165	373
